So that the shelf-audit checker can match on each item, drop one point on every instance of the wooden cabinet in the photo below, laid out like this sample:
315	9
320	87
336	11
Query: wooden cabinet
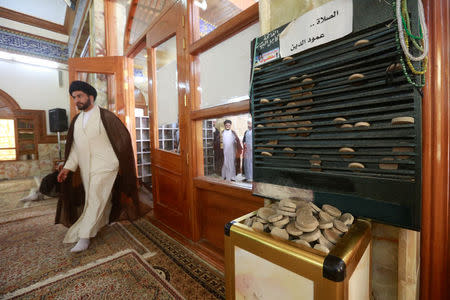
27	146
143	151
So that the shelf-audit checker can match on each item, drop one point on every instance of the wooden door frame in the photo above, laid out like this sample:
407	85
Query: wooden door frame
122	69
435	234
168	24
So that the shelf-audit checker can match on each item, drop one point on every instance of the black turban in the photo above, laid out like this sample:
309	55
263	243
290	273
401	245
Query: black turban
227	122
85	87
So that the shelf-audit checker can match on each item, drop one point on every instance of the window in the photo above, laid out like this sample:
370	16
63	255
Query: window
7	140
232	162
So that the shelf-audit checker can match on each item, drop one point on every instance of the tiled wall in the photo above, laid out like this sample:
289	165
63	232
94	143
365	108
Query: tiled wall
22	169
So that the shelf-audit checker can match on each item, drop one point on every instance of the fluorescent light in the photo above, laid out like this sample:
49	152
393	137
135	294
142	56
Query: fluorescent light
32	60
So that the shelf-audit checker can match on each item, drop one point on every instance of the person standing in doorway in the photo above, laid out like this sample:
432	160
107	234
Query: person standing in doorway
232	150
98	145
218	152
247	163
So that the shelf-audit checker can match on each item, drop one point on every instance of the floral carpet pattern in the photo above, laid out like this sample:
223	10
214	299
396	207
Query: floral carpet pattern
189	273
34	263
31	250
124	273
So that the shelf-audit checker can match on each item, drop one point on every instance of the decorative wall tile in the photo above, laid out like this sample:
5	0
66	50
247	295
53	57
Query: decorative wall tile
22	43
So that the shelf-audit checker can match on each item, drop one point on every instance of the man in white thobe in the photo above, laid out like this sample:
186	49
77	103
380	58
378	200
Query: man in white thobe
92	152
231	151
248	152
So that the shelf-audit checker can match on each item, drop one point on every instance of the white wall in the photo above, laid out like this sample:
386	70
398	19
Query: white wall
35	87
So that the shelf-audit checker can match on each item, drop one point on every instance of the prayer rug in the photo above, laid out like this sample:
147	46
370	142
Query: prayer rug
188	273
123	275
31	250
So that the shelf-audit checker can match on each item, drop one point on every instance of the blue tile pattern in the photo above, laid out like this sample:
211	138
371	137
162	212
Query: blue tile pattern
22	43
205	27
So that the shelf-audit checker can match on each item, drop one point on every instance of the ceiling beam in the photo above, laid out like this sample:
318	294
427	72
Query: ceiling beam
30	20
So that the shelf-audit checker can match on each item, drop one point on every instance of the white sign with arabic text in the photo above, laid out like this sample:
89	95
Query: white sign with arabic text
318	26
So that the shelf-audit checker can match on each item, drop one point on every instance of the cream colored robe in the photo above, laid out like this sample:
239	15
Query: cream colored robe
93	153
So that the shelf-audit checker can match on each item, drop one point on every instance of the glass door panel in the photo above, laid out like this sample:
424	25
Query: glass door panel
105	86
167	96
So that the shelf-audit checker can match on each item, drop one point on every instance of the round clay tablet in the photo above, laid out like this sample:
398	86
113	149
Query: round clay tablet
322	240
315	207
302	242
280	233
339	119
347	218
292	230
287	203
322	248
356	76
258	226
275	217
362	124
286	213
339	225
361	42
331	210
388	166
326	217
264	100
402	120
356	165
325	225
402	149
346	150
283	222
265	212
311	236
331	236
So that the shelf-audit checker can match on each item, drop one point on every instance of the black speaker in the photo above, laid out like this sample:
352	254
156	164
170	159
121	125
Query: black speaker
58	120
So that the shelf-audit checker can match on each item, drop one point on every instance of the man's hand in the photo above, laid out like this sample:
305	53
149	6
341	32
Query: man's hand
63	175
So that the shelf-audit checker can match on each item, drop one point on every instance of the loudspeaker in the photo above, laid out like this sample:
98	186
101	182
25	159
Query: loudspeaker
58	120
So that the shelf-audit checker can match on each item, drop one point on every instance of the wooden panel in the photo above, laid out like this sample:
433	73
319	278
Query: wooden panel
165	28
222	110
41	125
435	237
111	35
166	160
30	20
226	30
169	205
129	22
218	204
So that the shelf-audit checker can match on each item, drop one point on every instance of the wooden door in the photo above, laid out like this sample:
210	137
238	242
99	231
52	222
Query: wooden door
113	79
167	82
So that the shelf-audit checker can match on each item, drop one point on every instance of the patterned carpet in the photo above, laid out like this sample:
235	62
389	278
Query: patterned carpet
32	255
189	273
31	250
11	191
124	273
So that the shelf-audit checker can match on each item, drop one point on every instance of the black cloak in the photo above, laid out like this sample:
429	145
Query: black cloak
124	194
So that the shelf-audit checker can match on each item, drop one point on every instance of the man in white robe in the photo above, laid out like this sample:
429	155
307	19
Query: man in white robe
248	152
92	152
231	152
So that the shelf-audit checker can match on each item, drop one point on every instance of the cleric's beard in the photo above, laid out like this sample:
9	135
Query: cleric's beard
84	106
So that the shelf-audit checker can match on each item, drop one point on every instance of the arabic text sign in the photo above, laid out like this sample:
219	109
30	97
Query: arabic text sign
318	26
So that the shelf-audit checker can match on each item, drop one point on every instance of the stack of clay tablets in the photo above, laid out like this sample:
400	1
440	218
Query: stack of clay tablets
303	223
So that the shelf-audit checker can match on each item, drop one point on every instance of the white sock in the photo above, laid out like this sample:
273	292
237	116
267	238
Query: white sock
82	245
32	196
